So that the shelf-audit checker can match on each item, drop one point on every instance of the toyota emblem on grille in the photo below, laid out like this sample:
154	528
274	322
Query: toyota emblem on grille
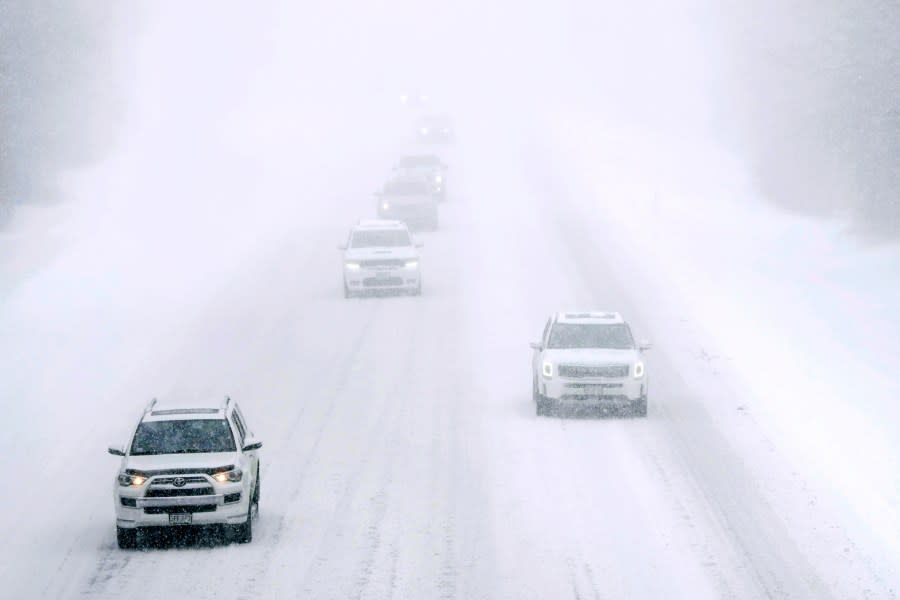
178	481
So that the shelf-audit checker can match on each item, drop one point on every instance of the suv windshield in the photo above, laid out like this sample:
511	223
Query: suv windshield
182	437
407	188
385	238
571	335
424	160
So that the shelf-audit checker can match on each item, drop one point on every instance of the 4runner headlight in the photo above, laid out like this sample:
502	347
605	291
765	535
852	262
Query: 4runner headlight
352	266
438	179
638	370
234	475
424	131
547	369
411	264
133	478
385	206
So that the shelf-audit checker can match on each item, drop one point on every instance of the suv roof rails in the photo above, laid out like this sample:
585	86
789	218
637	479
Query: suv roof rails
226	403
150	406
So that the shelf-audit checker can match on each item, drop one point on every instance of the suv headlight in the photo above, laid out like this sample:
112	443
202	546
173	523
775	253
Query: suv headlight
234	475
438	179
130	478
638	370
547	369
424	131
411	264
351	266
385	206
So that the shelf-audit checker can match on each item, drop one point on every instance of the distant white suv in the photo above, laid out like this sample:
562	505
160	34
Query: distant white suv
380	255
589	359
194	465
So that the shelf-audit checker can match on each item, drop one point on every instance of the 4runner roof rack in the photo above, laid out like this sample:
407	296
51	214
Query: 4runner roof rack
226	403
150	406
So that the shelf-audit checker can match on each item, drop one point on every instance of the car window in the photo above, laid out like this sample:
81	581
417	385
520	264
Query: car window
239	423
546	330
591	335
407	188
182	436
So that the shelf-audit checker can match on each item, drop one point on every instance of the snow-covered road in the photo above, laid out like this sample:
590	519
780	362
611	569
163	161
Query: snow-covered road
402	455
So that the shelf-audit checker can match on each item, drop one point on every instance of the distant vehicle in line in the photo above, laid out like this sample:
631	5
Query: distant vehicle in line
185	466
410	199
435	129
381	255
589	360
428	167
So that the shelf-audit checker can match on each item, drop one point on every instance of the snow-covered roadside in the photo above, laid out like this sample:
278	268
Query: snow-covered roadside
785	321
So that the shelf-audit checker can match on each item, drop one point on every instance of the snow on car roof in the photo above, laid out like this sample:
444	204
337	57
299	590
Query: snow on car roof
589	317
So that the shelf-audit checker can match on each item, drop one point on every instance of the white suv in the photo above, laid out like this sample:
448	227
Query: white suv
195	465
589	359
380	255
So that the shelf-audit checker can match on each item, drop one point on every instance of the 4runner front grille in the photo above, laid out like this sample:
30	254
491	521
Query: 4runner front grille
167	510
596	371
174	492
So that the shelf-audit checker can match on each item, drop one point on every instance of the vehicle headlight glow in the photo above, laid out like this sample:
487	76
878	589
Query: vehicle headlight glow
129	479
439	179
411	264
234	475
638	370
547	369
385	206
351	266
423	131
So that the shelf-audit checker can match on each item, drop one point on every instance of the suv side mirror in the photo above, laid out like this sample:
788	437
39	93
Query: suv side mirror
418	244
117	450
342	246
251	444
644	345
536	346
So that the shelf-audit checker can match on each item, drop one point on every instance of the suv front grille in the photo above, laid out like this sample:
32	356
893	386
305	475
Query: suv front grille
167	510
383	262
173	492
596	371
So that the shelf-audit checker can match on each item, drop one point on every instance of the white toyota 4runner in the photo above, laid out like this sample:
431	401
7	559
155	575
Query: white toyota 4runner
589	359
194	465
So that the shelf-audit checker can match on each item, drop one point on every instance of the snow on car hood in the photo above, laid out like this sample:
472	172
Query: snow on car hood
406	199
591	356
400	252
157	462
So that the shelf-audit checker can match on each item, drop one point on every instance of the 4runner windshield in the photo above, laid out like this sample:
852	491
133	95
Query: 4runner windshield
386	238
616	336
186	436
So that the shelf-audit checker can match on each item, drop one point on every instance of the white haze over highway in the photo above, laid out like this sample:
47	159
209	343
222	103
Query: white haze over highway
402	456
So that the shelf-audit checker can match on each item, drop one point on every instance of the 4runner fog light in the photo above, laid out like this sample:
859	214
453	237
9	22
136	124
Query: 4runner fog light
638	370
547	369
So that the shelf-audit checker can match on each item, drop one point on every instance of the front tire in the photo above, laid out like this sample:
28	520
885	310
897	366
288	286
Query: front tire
126	538
541	407
243	533
639	407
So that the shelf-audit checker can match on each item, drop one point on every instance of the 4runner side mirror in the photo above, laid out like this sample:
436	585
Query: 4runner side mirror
342	246
418	244
536	346
117	450
644	345
251	444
